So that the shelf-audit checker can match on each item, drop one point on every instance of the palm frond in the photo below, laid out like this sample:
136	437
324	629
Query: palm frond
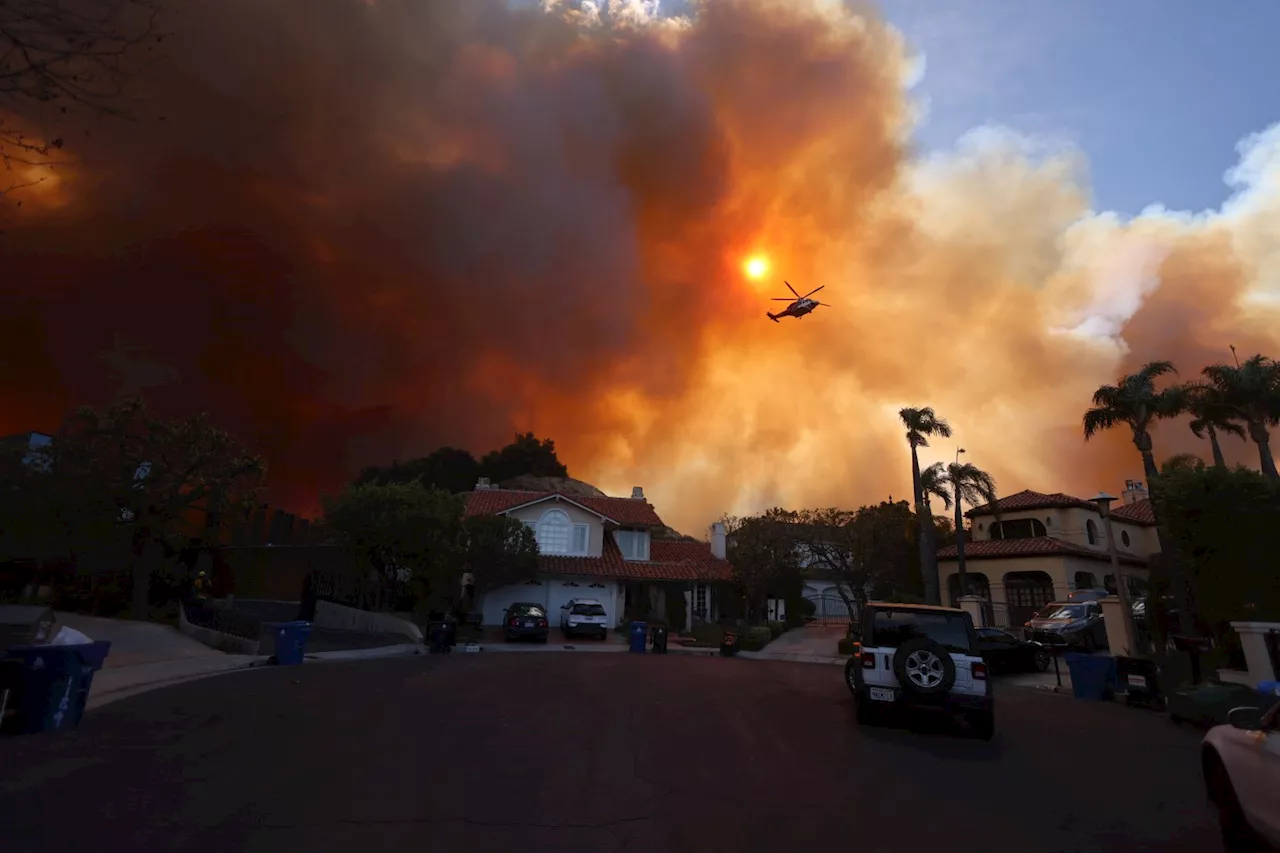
1153	369
933	481
1099	420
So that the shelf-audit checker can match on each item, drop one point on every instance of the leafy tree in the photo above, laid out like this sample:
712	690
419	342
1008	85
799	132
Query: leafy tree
527	454
125	474
1223	522
1252	391
449	468
923	424
957	484
1182	462
1211	414
762	550
869	549
60	57
499	550
408	533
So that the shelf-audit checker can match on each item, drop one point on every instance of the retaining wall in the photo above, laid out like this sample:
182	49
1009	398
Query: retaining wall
216	639
342	618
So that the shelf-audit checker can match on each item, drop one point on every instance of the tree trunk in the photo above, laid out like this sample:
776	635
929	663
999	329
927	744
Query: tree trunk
1261	437
964	578
924	538
144	564
1218	460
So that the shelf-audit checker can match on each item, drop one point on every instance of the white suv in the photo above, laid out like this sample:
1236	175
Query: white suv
918	656
584	616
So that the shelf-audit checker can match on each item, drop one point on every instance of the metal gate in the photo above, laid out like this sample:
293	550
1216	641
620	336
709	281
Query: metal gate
828	609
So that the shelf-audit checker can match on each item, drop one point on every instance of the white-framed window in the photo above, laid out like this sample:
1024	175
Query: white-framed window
634	544
581	539
557	535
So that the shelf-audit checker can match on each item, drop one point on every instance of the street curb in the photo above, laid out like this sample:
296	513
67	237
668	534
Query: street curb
398	650
98	700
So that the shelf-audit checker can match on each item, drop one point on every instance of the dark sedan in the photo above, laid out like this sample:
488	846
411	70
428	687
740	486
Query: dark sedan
1005	653
523	621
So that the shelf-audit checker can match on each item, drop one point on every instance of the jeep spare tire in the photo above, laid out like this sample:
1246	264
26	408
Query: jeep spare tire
924	667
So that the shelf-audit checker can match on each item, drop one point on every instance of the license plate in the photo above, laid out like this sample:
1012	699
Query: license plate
881	695
471	647
1137	681
528	623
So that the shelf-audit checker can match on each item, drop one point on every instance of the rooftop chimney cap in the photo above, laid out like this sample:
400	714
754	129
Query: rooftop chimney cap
482	484
637	493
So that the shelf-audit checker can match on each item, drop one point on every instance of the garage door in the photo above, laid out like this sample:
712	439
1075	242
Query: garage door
561	592
497	600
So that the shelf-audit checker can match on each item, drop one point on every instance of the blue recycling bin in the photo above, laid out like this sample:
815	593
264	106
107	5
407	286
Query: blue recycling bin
1269	688
1092	676
291	643
53	684
639	634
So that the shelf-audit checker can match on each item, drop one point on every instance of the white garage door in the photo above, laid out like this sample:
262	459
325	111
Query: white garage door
497	601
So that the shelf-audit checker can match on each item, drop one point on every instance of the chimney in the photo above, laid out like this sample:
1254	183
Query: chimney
483	484
717	541
637	493
1133	492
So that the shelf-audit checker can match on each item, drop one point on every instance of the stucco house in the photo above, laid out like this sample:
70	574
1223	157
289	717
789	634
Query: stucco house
611	549
1045	545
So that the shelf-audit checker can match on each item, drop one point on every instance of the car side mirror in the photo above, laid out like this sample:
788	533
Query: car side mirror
1246	718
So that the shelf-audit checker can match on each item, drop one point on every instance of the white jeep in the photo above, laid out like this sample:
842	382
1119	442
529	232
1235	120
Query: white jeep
920	657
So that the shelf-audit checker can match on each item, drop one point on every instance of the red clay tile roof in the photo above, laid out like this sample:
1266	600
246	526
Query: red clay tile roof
628	511
670	561
1027	499
1039	546
1138	512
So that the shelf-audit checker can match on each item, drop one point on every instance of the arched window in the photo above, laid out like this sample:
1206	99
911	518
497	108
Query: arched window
553	532
1091	530
1018	528
1124	537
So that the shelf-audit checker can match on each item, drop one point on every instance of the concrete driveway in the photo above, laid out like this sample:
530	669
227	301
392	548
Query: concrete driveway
591	753
814	641
134	643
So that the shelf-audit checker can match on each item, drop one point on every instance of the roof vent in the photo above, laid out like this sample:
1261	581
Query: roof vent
483	484
637	493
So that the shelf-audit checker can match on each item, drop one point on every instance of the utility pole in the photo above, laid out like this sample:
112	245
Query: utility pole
1103	502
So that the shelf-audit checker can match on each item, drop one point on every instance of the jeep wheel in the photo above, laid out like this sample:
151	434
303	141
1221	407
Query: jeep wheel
851	677
983	724
924	667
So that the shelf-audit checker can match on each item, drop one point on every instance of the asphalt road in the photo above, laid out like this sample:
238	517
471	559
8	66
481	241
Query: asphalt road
589	752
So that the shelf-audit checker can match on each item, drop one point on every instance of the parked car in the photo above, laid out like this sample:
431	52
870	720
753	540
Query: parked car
1241	763
916	656
584	616
1005	653
1070	624
526	621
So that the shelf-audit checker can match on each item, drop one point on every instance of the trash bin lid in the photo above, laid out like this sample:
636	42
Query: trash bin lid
25	624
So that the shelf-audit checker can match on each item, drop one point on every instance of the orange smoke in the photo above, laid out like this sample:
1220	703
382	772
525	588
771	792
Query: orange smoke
364	230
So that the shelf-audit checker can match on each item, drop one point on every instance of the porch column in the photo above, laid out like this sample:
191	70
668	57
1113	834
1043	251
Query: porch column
972	605
688	610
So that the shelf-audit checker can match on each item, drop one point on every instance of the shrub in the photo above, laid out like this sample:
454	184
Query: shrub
845	647
707	633
776	629
752	644
760	632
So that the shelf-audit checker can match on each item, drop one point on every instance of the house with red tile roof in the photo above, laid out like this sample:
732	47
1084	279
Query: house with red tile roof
611	549
1030	548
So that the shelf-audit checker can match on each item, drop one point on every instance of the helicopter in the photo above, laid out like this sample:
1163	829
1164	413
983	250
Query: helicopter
799	306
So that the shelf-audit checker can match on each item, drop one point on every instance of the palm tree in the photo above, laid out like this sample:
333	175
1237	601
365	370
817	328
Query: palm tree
1210	415
1252	391
1135	402
955	485
921	424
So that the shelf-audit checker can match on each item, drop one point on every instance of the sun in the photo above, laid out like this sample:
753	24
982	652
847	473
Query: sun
755	267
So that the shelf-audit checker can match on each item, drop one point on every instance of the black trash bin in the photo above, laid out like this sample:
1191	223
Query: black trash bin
1140	679
442	636
659	639
728	644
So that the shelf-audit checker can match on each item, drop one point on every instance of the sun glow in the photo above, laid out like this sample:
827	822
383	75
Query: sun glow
755	267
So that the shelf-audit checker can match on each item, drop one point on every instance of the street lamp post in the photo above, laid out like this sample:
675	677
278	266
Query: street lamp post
1103	501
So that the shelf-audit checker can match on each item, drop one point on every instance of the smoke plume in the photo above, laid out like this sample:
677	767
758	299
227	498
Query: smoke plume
354	231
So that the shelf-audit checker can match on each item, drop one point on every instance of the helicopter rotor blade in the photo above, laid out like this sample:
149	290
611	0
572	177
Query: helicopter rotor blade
811	292
783	299
826	305
792	289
